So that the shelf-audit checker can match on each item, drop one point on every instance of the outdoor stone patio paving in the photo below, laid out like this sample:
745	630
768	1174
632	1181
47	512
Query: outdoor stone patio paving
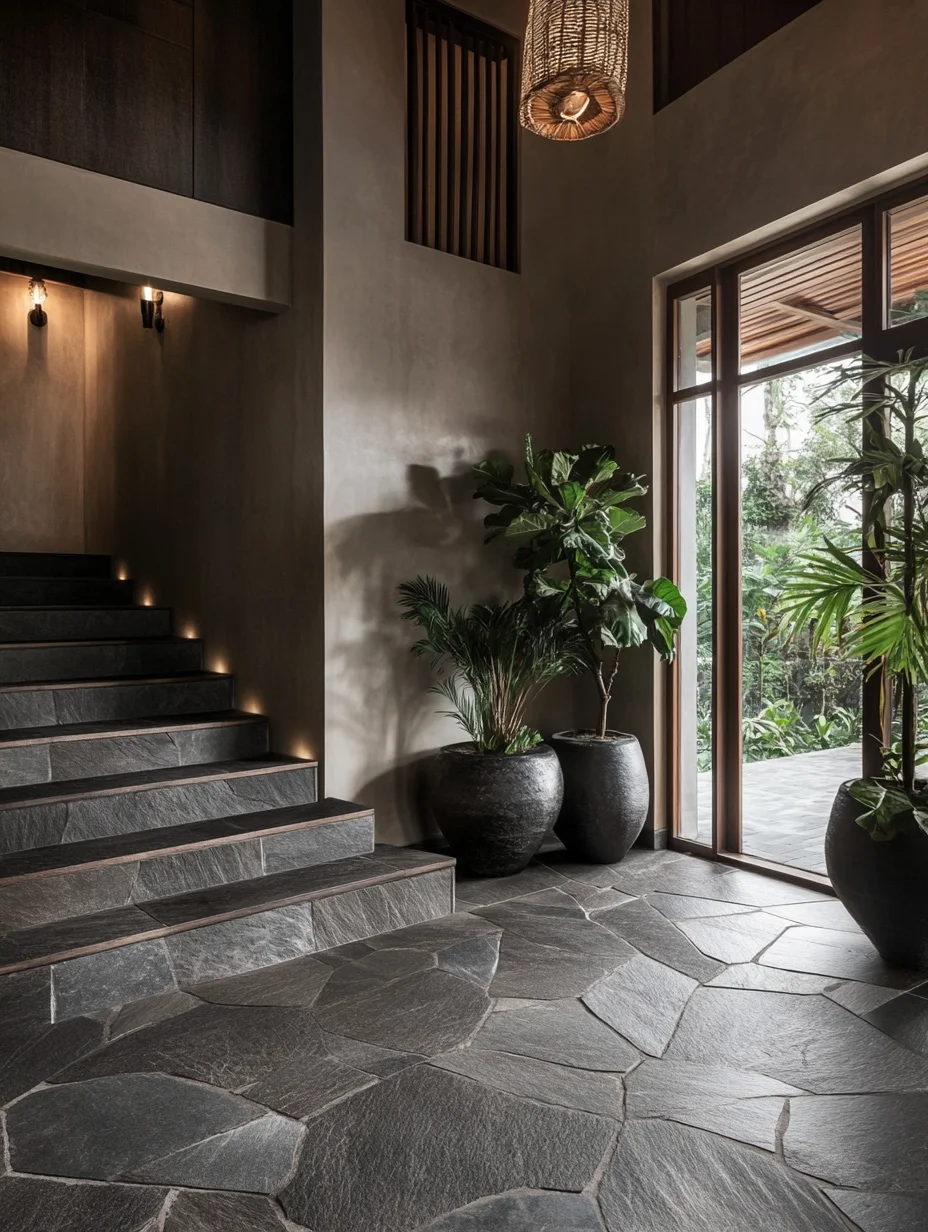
786	805
665	1044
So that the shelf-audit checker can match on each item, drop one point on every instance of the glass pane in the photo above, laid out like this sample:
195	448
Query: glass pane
908	262
802	303
801	716
693	340
694	531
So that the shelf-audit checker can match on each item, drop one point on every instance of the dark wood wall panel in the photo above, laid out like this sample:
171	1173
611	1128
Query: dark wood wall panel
191	96
138	105
244	106
41	78
695	38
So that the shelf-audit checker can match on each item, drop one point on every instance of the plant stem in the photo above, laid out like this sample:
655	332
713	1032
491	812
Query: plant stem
909	693
596	663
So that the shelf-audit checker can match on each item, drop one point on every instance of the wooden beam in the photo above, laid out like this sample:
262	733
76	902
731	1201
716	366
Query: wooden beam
820	316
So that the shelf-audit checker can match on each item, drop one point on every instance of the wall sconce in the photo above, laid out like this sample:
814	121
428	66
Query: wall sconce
152	302
38	294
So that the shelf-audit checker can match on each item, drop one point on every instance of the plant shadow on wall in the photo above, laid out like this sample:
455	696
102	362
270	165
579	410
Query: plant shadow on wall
382	712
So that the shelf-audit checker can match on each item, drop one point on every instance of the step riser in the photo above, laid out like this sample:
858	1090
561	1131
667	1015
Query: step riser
146	968
100	703
35	592
23	664
55	761
54	564
27	903
82	624
43	825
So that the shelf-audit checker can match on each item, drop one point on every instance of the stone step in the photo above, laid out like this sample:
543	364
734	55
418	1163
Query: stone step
55	754
24	662
93	701
79	624
54	564
64	591
95	962
68	812
75	879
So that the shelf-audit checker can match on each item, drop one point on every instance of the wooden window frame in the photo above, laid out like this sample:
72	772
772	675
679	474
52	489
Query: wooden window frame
878	341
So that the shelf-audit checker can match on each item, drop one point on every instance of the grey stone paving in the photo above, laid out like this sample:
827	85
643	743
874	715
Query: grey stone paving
587	1049
786	803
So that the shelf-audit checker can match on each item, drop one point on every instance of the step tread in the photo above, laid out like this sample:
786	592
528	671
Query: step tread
101	682
148	920
164	640
146	780
25	564
115	728
171	840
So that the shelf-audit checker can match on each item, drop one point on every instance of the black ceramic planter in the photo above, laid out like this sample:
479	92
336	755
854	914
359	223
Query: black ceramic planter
606	795
883	885
493	808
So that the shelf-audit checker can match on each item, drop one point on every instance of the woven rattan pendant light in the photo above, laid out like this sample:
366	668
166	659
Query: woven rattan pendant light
575	68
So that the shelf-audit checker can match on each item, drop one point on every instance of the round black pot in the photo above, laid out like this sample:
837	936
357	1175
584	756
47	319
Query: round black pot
883	885
494	808
606	795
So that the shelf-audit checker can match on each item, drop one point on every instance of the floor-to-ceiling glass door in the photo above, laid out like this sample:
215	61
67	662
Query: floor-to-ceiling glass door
763	729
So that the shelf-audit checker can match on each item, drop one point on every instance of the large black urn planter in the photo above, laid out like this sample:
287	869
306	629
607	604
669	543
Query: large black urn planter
606	795
884	886
495	808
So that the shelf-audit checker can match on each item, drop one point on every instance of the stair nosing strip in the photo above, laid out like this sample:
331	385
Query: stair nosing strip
127	789
241	913
53	737
82	607
225	840
166	639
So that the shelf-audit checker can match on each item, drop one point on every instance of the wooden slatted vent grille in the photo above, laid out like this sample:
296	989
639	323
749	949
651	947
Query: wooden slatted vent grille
462	138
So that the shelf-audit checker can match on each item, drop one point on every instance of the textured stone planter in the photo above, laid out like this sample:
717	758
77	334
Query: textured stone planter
606	795
495	809
883	885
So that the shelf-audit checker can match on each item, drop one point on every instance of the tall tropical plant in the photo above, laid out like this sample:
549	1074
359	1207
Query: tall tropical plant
495	659
568	522
872	603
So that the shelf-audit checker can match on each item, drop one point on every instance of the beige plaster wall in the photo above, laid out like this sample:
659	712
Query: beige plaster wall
430	363
41	421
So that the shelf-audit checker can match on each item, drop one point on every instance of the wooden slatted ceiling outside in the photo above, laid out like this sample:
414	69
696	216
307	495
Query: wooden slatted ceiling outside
788	305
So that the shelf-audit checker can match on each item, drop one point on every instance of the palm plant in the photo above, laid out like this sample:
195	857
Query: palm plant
495	660
872	603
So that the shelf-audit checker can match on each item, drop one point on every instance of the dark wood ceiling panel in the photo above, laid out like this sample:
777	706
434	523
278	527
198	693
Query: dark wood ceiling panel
695	38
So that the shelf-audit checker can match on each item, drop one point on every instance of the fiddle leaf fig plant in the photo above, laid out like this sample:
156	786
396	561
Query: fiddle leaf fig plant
567	523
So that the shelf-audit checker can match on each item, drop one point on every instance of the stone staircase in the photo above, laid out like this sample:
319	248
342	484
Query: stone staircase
148	839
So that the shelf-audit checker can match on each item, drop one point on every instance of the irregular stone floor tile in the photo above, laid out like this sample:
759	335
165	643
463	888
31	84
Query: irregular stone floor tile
146	1013
643	1001
543	973
108	1127
863	1141
380	1062
225	1045
475	959
683	907
575	936
771	979
481	891
297	983
222	1212
307	1084
648	931
882	1212
373	971
428	1142
844	955
31	1205
734	939
666	1177
548	1212
427	1013
734	1103
860	998
808	1042
830	914
257	1158
553	902
31	1057
584	1090
563	1032
905	1019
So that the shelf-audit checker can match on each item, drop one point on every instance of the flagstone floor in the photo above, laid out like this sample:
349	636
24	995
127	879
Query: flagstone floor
664	1045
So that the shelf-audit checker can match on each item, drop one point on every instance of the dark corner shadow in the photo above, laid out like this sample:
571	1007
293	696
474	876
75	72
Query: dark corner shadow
384	706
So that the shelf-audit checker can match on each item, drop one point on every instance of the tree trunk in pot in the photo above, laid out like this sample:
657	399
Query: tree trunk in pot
493	808
884	886
606	795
